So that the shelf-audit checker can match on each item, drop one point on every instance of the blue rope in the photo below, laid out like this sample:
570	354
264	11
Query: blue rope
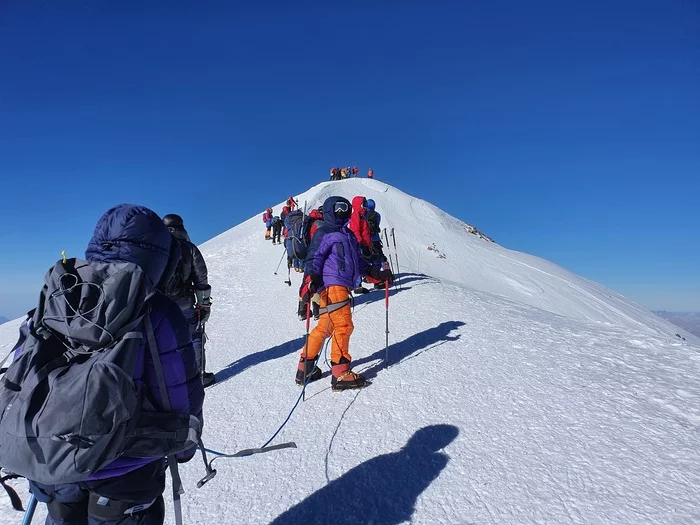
296	404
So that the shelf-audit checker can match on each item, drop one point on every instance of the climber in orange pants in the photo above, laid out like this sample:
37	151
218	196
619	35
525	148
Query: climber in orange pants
335	322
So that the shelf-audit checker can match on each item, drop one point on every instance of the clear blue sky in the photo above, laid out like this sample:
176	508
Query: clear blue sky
570	130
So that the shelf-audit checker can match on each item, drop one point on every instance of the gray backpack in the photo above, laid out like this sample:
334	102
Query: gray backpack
68	403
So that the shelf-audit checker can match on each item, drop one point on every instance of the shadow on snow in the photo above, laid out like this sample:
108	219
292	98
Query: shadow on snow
425	340
382	490
256	358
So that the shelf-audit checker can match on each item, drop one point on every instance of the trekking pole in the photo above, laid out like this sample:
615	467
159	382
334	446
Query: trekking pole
306	344
29	513
386	302
388	251
386	238
396	255
280	263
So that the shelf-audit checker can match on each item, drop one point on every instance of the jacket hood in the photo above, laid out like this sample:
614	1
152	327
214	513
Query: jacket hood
358	204
135	234
328	213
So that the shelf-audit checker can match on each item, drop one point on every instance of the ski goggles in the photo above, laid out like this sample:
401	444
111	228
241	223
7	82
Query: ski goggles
341	207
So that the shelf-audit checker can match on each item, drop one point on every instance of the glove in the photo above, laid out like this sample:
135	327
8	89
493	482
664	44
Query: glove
316	283
380	275
203	312
366	252
385	275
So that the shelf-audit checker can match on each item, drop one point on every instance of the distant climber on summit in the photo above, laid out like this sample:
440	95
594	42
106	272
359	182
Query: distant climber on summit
370	174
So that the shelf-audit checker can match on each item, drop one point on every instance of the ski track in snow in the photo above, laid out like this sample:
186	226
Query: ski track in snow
517	393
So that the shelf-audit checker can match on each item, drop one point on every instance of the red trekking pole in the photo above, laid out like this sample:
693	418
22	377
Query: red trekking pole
386	302
306	345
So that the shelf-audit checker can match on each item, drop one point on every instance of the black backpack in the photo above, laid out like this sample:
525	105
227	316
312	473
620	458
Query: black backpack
371	217
297	242
180	284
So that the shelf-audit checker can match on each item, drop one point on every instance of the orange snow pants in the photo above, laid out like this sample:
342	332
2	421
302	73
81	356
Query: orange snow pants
336	324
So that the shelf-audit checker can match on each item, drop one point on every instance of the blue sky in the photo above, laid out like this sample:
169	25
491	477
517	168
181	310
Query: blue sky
570	130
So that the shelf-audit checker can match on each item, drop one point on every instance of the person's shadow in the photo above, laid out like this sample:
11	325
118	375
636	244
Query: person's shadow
407	277
377	295
381	491
424	340
256	358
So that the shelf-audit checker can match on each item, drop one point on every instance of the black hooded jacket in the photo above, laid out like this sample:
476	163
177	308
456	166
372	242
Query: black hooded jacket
190	283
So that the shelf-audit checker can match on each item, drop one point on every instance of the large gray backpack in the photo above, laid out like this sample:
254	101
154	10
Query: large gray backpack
68	403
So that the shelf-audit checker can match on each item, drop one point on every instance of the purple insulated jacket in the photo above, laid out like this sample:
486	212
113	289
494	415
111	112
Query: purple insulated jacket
339	260
136	234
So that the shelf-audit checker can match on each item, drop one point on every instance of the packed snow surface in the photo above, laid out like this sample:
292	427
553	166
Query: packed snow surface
515	391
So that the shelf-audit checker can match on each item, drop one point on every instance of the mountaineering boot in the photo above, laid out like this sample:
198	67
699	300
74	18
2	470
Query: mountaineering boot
344	378
307	369
360	290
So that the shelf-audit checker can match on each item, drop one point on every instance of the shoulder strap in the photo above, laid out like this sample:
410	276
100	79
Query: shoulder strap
172	460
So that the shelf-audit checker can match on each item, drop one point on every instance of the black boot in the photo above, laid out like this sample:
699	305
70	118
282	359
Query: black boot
307	369
344	378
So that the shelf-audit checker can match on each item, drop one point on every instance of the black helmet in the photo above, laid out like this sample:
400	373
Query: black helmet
172	220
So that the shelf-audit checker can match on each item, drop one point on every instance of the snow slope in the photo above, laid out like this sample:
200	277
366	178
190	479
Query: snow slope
517	392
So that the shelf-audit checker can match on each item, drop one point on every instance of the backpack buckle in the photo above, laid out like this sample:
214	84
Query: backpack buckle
210	475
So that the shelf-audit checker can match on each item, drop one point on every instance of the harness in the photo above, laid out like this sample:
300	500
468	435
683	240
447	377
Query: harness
332	307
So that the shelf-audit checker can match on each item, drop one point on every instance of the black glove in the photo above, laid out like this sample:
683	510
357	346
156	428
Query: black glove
203	313
381	275
316	283
366	252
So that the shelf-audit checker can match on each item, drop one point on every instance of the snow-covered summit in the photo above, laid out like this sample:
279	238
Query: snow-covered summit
432	242
517	392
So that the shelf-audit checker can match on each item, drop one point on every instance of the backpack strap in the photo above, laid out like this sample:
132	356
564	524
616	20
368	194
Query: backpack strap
172	460
23	333
14	498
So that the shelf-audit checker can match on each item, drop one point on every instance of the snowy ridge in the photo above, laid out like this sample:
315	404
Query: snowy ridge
518	392
432	242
